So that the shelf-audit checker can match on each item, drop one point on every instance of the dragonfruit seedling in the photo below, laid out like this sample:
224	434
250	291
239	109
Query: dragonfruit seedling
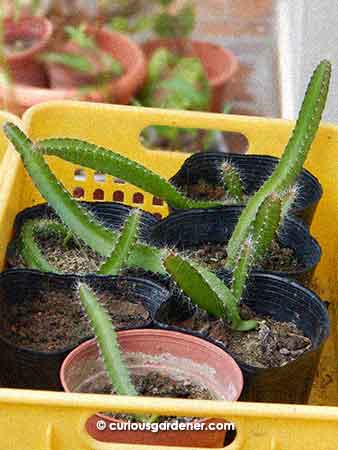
266	225
29	248
292	160
106	161
232	182
78	220
106	337
206	290
123	246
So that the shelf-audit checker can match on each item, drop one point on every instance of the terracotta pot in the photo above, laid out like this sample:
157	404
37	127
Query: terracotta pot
24	65
192	357
120	47
219	63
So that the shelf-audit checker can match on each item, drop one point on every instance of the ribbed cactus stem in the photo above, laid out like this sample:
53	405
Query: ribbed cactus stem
241	273
232	182
206	290
111	163
107	341
74	216
265	227
30	250
293	157
124	245
147	257
288	199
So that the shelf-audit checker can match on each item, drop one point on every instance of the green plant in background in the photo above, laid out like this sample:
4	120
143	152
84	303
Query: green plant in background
257	225
83	61
174	82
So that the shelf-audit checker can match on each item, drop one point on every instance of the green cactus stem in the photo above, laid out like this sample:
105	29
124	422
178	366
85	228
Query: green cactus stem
288	199
106	337
30	250
242	270
111	163
78	220
232	182
148	258
206	290
267	222
74	216
123	247
293	157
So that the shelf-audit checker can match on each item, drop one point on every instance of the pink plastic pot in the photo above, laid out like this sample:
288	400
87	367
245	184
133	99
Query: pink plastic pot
220	64
24	65
181	354
121	48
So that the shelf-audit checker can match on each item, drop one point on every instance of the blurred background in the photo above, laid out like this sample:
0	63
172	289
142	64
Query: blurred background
274	46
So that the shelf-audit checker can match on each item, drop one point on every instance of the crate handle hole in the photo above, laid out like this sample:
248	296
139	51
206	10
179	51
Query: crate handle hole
192	140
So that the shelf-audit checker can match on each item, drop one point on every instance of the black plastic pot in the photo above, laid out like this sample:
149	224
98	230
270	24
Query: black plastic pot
110	214
25	368
254	170
188	229
282	300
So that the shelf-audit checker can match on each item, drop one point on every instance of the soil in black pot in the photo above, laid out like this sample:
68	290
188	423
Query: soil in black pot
54	320
205	191
272	344
70	257
278	258
155	384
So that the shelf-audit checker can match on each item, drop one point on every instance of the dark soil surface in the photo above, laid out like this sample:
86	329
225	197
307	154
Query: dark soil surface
56	321
278	258
72	257
272	344
204	191
157	384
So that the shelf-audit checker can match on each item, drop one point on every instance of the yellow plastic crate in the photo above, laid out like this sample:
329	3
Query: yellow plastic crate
55	421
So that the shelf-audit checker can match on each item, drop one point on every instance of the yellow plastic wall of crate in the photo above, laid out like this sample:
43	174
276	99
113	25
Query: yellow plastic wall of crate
55	421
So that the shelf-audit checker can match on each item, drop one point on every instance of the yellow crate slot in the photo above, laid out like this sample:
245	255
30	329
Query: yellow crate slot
55	421
44	421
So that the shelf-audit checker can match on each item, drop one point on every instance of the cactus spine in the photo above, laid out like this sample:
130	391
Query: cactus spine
125	243
293	157
232	182
111	163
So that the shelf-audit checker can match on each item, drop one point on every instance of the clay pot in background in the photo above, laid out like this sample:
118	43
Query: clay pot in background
123	88
219	63
188	356
24	64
